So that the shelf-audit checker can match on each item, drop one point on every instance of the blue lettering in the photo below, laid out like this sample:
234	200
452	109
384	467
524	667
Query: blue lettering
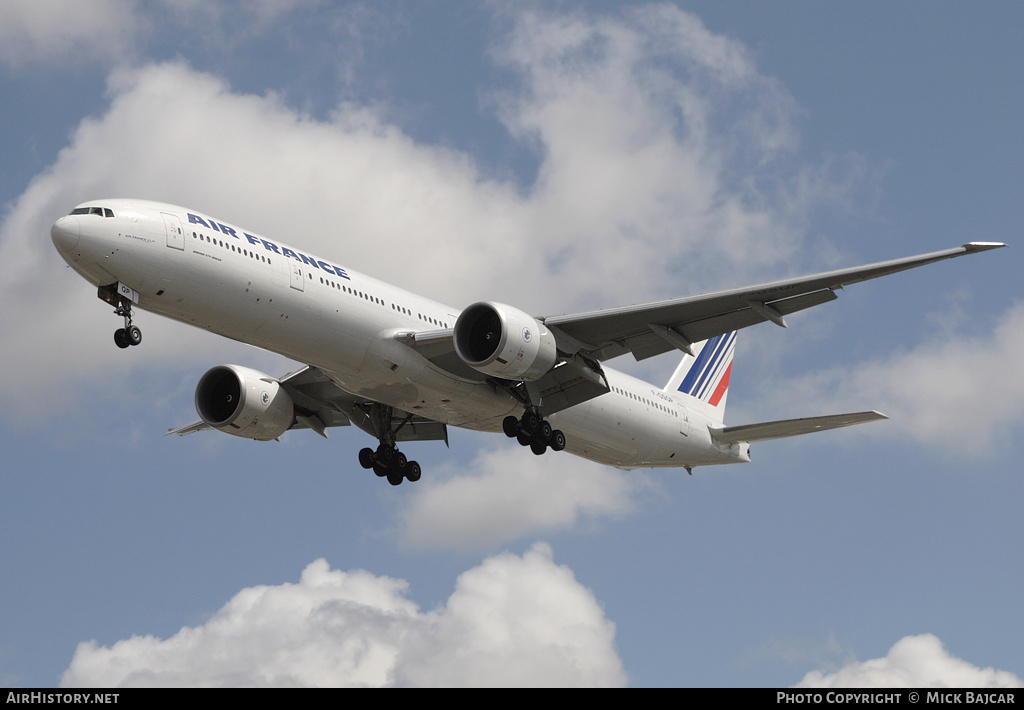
270	246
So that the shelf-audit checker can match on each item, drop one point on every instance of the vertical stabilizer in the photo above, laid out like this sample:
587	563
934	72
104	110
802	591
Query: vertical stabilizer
704	375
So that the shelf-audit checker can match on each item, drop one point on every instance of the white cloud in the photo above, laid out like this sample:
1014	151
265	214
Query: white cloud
66	31
505	495
955	392
653	132
913	662
511	621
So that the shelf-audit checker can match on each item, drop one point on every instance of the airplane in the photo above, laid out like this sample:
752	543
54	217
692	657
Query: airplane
402	367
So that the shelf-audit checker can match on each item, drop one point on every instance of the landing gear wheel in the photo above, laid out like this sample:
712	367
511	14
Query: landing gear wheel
413	471
380	469
544	431
529	422
119	338
557	440
523	438
510	425
538	447
395	478
366	458
399	462
384	455
132	335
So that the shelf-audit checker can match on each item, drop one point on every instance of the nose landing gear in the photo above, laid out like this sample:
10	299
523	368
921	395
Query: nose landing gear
121	298
130	334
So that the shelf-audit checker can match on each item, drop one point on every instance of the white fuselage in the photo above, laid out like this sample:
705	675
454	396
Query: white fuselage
184	265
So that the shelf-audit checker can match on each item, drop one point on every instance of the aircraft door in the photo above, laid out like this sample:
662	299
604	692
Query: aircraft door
684	420
175	236
298	277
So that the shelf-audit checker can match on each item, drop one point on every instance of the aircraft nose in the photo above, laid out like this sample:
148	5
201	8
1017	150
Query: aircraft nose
65	232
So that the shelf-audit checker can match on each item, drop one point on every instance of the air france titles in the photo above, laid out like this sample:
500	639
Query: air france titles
268	245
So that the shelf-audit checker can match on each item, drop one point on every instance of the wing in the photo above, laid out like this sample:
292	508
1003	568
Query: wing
584	340
653	328
320	403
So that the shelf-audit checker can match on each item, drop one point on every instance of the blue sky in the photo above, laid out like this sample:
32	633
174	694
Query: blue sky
559	157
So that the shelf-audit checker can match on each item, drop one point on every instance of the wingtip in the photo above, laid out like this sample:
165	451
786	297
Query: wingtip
983	246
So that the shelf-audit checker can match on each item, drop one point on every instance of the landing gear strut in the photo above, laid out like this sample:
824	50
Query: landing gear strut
387	461
533	431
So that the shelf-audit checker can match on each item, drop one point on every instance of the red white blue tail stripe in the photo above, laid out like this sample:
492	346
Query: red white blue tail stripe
708	376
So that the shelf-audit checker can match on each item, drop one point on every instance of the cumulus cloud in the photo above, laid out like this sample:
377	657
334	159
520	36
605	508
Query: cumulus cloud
913	662
66	32
63	33
654	132
513	620
968	384
502	497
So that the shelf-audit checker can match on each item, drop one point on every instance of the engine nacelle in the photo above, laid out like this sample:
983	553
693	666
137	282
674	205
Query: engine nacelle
504	342
244	402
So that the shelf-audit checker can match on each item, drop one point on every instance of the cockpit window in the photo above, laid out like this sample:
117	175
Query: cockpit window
101	211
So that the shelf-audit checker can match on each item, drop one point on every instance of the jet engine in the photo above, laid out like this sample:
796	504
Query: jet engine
244	402
504	342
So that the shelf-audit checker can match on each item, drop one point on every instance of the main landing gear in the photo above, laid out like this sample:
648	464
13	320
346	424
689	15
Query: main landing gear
387	460
130	334
533	431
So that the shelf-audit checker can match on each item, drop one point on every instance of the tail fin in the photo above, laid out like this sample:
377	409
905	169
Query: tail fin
705	374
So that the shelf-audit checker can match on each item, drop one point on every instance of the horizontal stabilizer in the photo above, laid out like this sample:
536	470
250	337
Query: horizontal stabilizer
190	429
790	427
